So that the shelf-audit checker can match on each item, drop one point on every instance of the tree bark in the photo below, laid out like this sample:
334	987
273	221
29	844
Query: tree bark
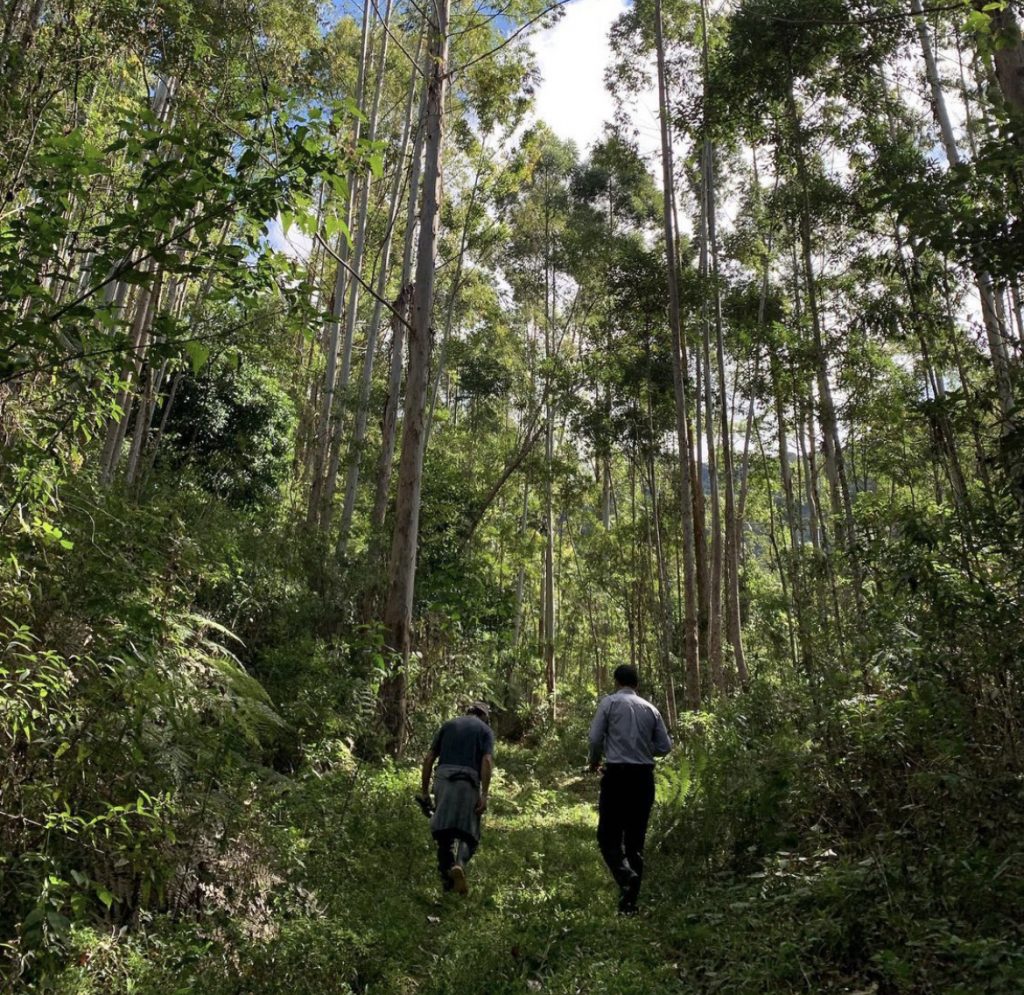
390	420
332	331
731	558
359	253
366	377
690	651
402	566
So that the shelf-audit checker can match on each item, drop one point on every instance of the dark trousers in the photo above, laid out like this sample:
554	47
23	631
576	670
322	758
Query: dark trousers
453	848
623	810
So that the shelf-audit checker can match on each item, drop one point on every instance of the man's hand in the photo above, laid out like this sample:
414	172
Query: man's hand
595	767
428	767
425	804
486	769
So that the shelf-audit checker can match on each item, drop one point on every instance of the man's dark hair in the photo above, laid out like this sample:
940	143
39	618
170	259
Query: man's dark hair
626	675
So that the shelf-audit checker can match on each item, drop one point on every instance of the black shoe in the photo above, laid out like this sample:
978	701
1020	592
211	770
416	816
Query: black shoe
628	893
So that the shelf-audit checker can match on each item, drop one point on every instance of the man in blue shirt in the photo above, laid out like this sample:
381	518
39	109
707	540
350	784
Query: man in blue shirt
630	732
464	749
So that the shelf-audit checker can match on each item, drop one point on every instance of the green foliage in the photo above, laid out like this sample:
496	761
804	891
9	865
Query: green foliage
190	667
232	429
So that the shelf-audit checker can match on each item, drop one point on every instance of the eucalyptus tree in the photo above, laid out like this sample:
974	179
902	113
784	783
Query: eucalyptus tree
446	34
398	607
535	266
625	410
338	344
679	370
400	178
162	183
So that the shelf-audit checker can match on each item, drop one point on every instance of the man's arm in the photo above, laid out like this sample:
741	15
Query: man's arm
661	741
598	728
428	767
486	767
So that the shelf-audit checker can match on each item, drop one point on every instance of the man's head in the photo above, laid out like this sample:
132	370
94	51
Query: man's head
480	709
626	676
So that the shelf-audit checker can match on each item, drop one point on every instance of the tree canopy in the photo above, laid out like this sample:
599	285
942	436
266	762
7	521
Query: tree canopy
338	390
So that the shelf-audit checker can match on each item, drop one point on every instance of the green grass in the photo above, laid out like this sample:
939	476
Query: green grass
358	908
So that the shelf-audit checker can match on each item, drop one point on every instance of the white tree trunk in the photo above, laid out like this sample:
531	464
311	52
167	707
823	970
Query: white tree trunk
402	565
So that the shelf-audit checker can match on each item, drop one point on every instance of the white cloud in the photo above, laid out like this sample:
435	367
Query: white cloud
572	56
292	243
572	97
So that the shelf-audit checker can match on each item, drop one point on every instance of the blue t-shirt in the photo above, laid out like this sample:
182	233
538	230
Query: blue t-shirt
463	742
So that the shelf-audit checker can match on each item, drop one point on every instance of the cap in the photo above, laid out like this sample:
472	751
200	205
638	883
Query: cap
481	707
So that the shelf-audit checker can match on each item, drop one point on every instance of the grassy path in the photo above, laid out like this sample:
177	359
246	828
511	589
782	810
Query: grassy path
357	908
540	915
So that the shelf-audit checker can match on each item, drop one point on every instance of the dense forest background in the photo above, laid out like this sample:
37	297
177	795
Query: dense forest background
337	390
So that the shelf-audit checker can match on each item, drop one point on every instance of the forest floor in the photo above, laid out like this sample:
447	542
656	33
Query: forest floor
540	915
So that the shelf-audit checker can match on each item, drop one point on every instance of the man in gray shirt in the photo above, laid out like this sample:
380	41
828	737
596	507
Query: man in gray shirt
630	732
464	751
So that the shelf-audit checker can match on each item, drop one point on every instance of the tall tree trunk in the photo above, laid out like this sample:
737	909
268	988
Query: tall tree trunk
995	331
666	627
1008	53
390	420
352	312
691	655
402	564
548	607
517	625
366	377
713	599
146	300
333	329
453	298
732	558
835	464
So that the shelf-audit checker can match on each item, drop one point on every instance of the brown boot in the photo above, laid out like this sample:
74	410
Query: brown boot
457	874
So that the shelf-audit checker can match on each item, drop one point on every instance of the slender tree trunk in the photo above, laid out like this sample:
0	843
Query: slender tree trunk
732	545
835	464
165	414
453	297
402	565
713	596
117	427
390	421
352	312
994	330
666	627
332	332
548	608
366	378
517	625
691	656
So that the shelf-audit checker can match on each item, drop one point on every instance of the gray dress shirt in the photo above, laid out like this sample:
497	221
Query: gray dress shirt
628	729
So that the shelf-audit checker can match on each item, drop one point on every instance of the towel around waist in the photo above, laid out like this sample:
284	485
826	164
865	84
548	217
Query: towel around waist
457	790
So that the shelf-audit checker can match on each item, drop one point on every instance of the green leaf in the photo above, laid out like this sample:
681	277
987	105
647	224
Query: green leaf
333	225
197	354
978	23
34	918
60	924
